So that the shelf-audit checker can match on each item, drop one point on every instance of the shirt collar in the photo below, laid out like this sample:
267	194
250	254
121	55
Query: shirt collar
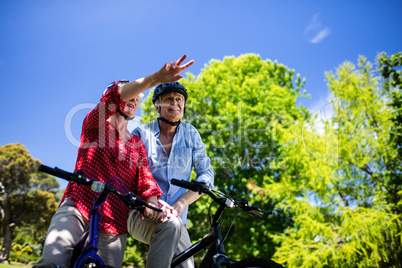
156	130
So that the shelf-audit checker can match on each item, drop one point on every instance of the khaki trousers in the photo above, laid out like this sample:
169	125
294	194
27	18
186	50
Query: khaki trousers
65	230
165	239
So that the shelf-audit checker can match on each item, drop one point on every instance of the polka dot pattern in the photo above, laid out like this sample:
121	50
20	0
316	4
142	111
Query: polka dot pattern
103	155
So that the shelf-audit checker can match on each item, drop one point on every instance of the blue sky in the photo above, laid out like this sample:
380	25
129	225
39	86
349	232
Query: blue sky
57	56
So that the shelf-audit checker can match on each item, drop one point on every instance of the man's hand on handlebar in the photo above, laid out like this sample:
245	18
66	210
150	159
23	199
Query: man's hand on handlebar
168	211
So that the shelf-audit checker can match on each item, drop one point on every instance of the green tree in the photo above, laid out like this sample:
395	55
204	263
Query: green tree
390	69
45	182
32	212
21	205
135	253
339	177
236	105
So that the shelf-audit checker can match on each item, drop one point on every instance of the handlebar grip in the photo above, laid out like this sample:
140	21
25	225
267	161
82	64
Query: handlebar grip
144	204
255	214
136	203
76	177
56	172
141	209
185	184
154	208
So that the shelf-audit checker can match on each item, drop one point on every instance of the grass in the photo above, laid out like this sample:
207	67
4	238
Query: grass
13	265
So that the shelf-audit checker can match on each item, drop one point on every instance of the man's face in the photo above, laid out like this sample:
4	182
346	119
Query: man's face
171	106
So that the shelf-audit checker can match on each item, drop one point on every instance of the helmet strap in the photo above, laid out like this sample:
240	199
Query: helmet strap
169	122
125	116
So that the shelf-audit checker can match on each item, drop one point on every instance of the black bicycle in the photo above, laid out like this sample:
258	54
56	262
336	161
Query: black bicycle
216	255
84	254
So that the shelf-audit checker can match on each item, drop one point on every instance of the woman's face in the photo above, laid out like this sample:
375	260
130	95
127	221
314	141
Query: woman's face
131	106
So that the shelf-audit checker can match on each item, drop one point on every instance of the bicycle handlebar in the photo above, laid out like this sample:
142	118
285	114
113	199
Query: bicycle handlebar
129	199
201	187
74	177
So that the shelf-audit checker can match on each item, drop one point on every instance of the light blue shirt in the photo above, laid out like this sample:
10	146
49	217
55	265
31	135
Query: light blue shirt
187	152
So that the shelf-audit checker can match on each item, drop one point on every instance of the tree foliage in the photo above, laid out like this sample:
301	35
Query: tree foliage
390	68
34	211
337	184
236	105
333	175
22	206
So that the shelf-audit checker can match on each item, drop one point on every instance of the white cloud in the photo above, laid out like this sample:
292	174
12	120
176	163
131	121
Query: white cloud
315	23
321	35
315	32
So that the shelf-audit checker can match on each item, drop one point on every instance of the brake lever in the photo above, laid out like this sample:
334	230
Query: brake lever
253	209
261	210
200	186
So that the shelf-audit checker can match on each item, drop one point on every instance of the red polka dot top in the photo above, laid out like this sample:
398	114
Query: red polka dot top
103	155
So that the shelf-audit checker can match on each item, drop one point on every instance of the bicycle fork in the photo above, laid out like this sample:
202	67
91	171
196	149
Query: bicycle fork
91	251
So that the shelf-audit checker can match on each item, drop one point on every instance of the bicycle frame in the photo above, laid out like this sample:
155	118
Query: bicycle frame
216	253
91	252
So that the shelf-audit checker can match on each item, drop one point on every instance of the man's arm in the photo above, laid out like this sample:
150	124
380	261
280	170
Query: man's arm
185	200
203	169
201	161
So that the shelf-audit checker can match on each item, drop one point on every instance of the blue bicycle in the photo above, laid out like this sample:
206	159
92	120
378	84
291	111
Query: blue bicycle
85	252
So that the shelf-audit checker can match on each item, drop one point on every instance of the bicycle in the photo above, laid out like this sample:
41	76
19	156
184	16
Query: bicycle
216	255
85	252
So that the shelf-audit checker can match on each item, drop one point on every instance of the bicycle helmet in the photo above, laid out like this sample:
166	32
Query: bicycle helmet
169	87
115	83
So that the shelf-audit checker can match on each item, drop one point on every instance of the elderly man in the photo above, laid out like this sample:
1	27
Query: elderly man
173	149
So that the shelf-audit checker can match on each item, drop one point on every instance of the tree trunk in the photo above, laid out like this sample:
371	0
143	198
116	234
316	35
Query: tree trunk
7	238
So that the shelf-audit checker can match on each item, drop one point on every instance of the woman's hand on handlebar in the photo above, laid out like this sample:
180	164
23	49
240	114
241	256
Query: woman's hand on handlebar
150	213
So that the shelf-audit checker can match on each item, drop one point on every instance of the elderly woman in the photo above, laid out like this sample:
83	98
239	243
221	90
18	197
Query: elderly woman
108	150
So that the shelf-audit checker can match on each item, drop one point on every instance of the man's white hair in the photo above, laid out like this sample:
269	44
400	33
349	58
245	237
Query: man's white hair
157	102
